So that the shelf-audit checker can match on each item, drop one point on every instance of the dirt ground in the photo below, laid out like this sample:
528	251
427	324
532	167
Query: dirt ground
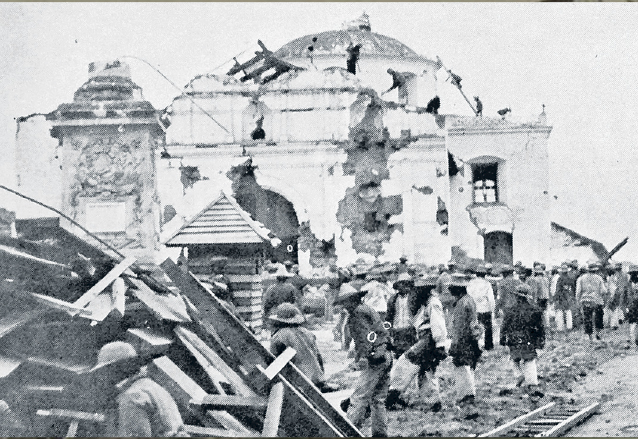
571	369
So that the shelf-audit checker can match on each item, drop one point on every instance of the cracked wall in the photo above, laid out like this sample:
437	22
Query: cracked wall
364	211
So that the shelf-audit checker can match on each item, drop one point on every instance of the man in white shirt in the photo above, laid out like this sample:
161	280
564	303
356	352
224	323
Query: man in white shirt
481	291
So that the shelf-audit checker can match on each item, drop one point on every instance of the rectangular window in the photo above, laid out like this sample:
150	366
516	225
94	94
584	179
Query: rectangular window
108	217
484	178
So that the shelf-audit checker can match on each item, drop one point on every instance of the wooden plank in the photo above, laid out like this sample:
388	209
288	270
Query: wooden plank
72	415
166	307
571	421
275	367
73	429
61	305
211	371
273	412
30	258
231	424
518	421
189	338
226	401
195	430
96	289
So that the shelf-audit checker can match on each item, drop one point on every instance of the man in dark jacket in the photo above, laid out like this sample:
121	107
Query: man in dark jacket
372	354
564	298
280	292
288	332
401	310
465	334
506	288
523	331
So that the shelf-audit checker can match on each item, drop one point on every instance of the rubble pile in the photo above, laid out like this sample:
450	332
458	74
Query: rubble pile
64	299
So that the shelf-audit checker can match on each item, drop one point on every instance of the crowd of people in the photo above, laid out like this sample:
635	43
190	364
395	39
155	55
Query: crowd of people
400	321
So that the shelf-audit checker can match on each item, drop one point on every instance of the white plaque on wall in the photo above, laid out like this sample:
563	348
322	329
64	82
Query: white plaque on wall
106	217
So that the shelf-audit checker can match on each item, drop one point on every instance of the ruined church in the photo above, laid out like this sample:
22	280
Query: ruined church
331	149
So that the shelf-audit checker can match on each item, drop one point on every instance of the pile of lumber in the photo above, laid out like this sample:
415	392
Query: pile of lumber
57	314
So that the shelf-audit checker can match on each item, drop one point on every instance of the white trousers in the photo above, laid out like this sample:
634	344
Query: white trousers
402	374
464	378
529	371
563	319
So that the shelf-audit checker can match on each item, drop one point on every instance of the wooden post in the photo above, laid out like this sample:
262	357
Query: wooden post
273	412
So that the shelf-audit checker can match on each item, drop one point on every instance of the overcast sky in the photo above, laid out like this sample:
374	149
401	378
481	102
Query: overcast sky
579	59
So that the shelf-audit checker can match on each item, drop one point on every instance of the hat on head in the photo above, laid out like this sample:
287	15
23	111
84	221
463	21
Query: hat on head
459	280
287	313
113	352
347	292
564	268
403	259
403	279
573	263
633	269
288	263
282	272
538	269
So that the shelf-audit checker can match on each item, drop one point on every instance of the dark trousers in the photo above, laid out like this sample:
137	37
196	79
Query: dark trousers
592	317
485	319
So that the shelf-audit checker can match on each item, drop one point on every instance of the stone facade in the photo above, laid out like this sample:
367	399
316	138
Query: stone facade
362	174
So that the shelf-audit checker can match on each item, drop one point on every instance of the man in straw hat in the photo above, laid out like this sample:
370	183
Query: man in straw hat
401	309
564	298
481	291
465	334
280	292
144	408
372	344
423	358
287	332
590	294
523	331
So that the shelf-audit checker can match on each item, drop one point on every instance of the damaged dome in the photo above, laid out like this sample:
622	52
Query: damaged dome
335	42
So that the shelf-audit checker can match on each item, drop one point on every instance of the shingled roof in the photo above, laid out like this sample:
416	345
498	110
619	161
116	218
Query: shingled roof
221	222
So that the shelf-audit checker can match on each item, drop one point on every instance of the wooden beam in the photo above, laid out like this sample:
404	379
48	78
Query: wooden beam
61	305
230	401
104	282
72	415
571	421
195	430
280	362
73	429
166	307
273	412
189	338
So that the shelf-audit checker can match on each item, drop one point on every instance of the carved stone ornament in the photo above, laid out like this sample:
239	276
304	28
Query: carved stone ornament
108	166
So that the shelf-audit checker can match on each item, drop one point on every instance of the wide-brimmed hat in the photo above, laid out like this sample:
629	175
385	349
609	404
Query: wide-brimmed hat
479	269
114	352
347	292
403	279
282	272
633	269
287	313
288	264
564	268
459	280
539	269
524	291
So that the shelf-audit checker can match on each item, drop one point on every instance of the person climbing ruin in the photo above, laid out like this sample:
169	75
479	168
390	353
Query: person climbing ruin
479	106
433	105
353	57
258	133
372	354
523	331
398	81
